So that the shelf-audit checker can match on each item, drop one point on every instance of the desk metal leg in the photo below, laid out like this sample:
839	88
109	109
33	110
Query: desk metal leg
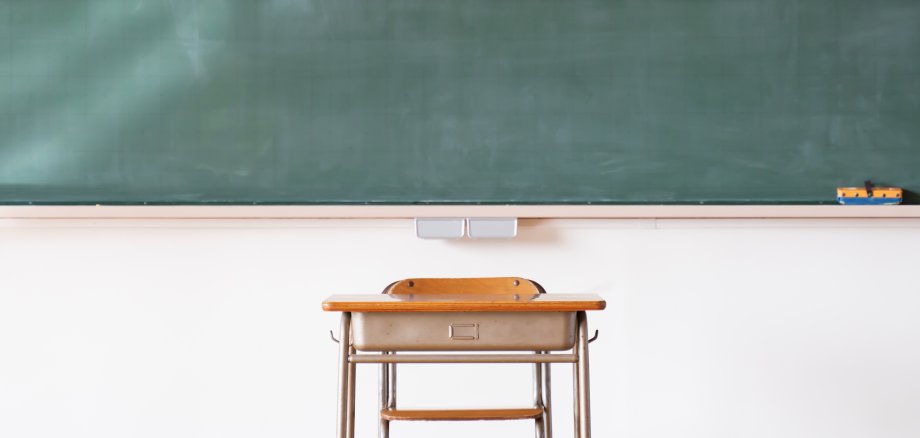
383	402
352	373
539	422
387	394
547	401
391	386
346	382
576	406
583	383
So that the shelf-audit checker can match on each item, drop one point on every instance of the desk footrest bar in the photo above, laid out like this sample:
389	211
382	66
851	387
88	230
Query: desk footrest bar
460	414
463	358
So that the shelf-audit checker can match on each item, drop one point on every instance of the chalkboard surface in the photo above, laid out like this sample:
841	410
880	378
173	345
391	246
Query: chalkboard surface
456	101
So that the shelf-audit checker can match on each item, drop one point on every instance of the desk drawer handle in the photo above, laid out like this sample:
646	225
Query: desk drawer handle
464	332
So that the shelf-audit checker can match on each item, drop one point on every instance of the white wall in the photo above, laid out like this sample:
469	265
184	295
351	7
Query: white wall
209	328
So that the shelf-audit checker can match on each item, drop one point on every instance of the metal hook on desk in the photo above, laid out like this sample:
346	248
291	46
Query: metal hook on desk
331	335
594	338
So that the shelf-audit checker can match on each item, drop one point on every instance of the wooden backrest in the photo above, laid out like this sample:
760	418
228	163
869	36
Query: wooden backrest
481	286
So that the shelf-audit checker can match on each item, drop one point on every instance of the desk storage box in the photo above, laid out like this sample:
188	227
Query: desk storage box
463	331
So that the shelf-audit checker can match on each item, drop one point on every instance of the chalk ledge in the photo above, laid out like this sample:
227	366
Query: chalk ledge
482	211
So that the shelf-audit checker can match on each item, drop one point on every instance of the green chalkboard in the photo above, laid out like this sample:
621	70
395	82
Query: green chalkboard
456	101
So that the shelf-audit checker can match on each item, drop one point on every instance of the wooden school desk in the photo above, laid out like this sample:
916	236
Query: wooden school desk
459	323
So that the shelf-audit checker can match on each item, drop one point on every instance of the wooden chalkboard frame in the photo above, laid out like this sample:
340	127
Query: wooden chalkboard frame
436	102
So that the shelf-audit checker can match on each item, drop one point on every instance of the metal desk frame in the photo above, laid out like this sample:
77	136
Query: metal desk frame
348	359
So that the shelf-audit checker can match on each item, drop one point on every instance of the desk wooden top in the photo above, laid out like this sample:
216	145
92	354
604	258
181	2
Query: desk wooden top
463	303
